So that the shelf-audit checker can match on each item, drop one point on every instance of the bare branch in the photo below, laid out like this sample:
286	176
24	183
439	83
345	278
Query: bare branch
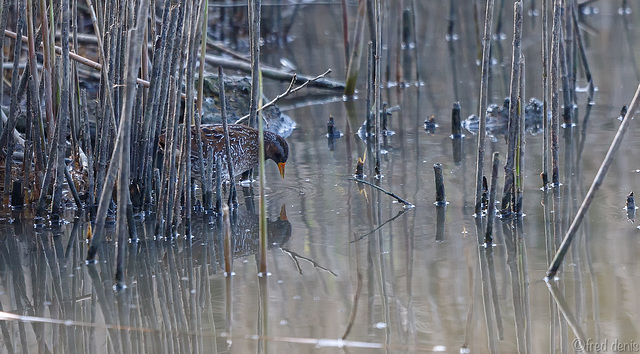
286	93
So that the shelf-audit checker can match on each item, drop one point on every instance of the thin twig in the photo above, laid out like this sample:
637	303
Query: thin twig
290	90
399	199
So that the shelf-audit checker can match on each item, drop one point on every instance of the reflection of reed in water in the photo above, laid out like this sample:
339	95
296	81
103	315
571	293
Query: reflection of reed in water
168	304
244	229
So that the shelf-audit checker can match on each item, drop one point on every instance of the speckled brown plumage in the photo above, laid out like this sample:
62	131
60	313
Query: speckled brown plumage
243	141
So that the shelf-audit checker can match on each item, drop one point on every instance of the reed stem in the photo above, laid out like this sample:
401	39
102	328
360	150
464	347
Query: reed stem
486	54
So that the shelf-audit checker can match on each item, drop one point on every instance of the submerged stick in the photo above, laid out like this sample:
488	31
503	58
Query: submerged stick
597	181
486	53
399	199
440	197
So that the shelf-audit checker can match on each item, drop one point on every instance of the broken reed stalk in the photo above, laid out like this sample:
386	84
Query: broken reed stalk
520	152
72	188
205	177
254	45
545	93
256	85
34	83
555	107
168	162
415	40
566	60
88	149
345	31
4	16
233	198
456	127
580	40
203	51
155	95
407	205
377	82
509	175
192	54
440	195
132	66
484	82
63	112
491	210
101	55
597	181
6	140
218	163
369	89
404	41
353	65
208	175
177	172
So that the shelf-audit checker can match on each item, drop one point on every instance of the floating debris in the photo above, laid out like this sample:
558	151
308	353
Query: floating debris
332	131
359	168
430	124
623	112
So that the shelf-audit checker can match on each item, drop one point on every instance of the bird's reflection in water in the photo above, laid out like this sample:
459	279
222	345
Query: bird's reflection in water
245	229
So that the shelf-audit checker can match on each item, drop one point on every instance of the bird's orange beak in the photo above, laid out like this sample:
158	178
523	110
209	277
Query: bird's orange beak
281	168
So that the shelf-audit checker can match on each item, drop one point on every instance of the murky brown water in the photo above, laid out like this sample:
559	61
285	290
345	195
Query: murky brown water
426	284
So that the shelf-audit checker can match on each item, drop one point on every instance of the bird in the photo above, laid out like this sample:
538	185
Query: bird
243	144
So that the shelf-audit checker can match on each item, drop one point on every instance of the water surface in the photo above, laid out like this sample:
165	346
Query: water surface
426	284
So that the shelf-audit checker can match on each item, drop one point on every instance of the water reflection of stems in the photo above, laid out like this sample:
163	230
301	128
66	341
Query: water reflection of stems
356	296
380	226
516	259
491	211
295	257
486	289
563	307
228	256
